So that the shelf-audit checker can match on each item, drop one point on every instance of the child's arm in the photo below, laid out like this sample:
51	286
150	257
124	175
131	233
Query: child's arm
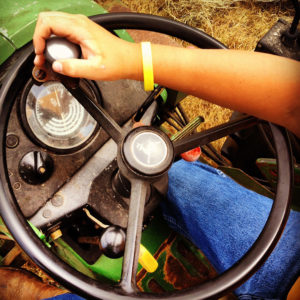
263	85
259	84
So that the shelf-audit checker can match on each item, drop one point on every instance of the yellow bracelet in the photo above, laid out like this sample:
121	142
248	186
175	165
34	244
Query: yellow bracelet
147	66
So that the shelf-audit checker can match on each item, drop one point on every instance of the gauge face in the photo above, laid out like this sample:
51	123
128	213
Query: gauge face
55	118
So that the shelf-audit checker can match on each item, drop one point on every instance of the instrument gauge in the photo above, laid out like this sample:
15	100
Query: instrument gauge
53	118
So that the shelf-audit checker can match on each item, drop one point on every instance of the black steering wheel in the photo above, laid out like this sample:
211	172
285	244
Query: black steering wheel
141	176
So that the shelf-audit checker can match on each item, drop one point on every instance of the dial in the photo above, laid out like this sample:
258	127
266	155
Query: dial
54	118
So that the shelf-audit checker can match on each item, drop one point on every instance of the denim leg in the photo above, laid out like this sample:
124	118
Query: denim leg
224	219
67	296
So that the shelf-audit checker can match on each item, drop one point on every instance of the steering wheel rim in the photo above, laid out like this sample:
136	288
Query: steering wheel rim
88	287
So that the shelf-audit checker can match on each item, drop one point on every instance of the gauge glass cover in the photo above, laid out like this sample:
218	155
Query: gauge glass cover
56	118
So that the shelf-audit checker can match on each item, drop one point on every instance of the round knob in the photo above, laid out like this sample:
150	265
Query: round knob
148	151
36	167
112	242
60	48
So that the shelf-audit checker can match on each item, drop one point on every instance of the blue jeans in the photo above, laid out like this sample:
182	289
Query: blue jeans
224	219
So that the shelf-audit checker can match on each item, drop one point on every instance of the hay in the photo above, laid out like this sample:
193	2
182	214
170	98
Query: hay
237	24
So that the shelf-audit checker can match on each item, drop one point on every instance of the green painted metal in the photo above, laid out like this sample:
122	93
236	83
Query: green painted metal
18	19
181	265
4	230
247	181
107	268
6	48
158	276
268	167
163	94
67	254
155	233
112	268
187	129
164	244
187	264
40	234
123	34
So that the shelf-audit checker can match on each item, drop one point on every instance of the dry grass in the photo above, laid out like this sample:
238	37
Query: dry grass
237	24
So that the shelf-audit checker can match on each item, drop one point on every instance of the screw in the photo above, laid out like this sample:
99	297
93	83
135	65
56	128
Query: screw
47	213
57	200
17	185
41	170
39	74
12	141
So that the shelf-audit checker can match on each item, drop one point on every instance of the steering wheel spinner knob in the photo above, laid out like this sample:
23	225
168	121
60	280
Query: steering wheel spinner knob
60	48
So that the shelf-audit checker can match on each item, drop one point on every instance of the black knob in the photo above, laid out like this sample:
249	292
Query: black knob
112	242
36	167
60	48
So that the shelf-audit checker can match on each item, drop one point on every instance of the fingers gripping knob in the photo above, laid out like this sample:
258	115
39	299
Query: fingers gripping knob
60	48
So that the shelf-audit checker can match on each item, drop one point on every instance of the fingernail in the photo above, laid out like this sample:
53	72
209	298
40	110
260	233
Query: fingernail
57	67
35	60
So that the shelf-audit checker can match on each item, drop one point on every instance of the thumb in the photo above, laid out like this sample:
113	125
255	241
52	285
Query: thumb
84	68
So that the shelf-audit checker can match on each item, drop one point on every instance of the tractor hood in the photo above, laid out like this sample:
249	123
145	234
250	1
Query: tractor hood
18	18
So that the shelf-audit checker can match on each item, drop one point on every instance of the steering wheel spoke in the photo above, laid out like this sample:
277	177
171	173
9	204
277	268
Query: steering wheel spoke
212	134
97	112
139	192
75	193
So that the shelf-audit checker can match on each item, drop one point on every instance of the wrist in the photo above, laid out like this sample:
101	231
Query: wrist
132	62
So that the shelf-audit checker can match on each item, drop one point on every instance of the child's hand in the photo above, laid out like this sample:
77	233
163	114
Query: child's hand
105	57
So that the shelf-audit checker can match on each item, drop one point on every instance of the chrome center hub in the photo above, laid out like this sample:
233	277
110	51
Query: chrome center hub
148	151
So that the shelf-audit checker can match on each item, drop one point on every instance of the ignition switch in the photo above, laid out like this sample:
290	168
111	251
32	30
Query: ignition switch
36	167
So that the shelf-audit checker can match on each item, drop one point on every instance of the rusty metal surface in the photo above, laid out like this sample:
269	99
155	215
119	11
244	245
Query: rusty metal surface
111	206
181	266
273	42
